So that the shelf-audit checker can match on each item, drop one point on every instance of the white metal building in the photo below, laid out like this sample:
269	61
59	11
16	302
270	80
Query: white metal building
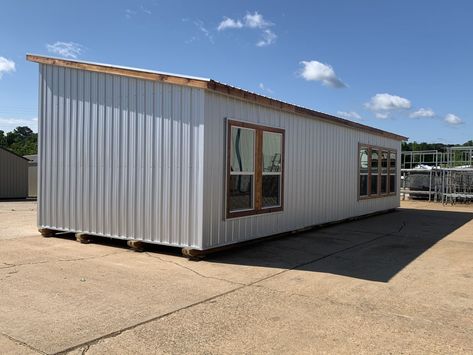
194	163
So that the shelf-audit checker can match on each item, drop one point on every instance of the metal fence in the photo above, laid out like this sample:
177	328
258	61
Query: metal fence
446	185
450	158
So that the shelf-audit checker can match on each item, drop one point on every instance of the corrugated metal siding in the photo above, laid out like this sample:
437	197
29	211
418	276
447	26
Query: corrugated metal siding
120	157
320	176
13	175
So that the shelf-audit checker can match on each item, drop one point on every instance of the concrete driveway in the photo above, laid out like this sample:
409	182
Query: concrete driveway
401	282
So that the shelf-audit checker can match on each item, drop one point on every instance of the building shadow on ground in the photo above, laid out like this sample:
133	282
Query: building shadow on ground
374	248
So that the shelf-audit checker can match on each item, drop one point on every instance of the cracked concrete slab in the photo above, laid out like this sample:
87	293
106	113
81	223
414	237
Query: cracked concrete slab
10	346
282	322
64	299
399	282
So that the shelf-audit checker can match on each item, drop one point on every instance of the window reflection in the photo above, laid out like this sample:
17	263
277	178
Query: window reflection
242	150
271	152
363	171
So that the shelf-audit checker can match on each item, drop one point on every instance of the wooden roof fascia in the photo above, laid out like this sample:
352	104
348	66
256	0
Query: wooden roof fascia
215	86
131	73
294	109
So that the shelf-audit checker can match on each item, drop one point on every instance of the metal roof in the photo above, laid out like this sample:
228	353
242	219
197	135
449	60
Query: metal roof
13	153
209	84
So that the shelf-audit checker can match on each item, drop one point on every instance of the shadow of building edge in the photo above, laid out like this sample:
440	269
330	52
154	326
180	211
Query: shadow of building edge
348	248
377	258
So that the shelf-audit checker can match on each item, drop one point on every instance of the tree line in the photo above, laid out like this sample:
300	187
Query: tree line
414	146
22	141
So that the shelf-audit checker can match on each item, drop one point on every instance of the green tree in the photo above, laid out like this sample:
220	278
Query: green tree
3	139
22	141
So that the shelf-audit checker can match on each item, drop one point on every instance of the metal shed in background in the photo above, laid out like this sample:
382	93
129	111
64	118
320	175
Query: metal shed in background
193	163
13	175
32	175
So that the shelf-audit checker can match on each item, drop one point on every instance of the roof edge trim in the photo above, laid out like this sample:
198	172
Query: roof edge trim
123	71
211	85
12	152
299	110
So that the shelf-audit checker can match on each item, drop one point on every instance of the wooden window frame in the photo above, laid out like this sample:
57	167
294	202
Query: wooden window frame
258	170
380	150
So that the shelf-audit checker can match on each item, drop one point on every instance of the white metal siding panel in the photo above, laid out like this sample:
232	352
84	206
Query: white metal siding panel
320	175
120	157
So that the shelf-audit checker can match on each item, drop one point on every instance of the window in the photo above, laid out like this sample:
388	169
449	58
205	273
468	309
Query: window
384	173
377	171
272	164
392	172
255	163
242	169
364	171
374	171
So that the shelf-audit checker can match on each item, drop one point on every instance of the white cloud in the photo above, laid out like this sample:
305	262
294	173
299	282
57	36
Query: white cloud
6	66
453	120
269	37
8	124
229	23
316	71
264	88
256	20
252	21
381	115
351	115
422	112
383	104
65	49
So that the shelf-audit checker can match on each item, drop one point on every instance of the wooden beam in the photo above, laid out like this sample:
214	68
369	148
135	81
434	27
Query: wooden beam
46	232
107	69
84	238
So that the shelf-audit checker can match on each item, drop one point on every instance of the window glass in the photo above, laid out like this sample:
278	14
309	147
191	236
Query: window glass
392	160
242	150
384	161
384	173
271	190
272	167
392	183
363	171
392	172
384	184
374	161
272	152
374	172
241	192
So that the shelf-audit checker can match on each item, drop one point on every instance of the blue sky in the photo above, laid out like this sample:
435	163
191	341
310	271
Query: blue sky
402	66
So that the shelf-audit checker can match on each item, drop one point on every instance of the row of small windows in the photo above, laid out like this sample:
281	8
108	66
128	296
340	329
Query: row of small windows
377	171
